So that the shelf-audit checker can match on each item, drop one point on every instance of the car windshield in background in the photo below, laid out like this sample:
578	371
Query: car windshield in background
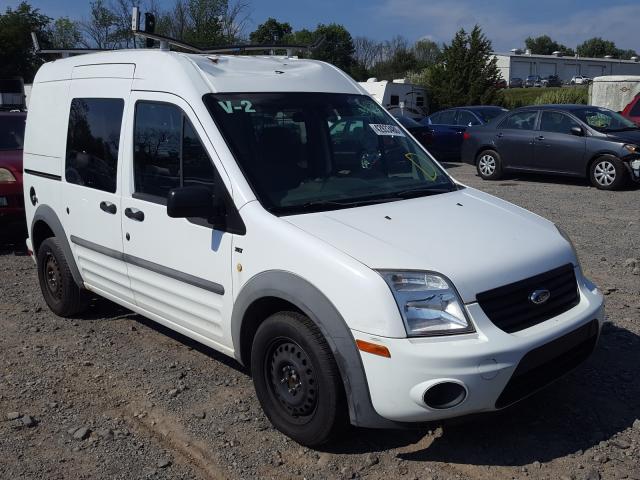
305	152
11	132
488	114
604	120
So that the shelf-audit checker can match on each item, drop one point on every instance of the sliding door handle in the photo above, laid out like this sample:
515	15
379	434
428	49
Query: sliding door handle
134	214
108	207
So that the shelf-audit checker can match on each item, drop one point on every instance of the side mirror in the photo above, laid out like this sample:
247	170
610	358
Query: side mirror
577	131
194	202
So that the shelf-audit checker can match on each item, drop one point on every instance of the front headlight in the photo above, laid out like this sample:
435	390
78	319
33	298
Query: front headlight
6	176
428	303
631	148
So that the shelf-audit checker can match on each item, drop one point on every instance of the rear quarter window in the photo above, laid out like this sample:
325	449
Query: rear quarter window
93	140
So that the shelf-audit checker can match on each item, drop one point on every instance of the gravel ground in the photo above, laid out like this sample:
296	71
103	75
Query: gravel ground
113	395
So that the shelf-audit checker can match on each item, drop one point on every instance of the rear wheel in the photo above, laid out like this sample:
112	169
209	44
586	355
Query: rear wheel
489	165
607	173
297	380
58	287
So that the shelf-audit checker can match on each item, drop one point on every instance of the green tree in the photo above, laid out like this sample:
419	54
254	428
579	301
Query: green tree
270	32
626	54
597	47
544	45
65	33
337	47
427	52
101	29
17	57
467	73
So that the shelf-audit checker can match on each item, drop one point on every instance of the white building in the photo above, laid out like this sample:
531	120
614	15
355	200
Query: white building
400	97
519	64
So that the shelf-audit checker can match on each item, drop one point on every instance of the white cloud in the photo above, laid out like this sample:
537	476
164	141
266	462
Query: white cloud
507	30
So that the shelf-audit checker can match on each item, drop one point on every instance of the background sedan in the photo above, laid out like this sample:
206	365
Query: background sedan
11	141
577	140
448	127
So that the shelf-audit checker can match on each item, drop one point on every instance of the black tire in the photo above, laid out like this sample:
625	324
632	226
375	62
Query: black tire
489	165
297	380
59	289
607	173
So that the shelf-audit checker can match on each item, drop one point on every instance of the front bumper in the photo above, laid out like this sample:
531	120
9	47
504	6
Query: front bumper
483	362
633	166
11	200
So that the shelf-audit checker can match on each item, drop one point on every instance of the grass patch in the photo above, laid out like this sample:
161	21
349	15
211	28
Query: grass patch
521	97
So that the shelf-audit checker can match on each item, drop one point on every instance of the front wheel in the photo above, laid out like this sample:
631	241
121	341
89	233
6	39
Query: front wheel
489	165
297	380
607	173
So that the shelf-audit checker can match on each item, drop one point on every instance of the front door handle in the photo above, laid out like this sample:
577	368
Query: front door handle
540	137
134	214
108	207
499	134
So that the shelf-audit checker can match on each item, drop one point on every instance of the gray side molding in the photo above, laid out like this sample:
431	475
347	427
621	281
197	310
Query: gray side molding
313	303
46	214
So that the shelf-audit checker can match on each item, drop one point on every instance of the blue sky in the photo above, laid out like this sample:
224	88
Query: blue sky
506	22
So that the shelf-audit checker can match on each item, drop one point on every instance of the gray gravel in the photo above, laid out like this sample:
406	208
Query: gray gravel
112	395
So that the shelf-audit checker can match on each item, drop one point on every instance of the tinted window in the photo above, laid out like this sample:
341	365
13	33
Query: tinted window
167	151
408	122
466	118
520	121
444	118
635	110
488	114
93	139
11	132
394	100
420	101
556	122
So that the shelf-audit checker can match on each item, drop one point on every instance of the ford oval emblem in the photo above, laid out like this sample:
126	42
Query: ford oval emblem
540	296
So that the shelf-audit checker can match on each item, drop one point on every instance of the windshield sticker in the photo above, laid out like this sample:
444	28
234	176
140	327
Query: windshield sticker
241	106
414	159
383	129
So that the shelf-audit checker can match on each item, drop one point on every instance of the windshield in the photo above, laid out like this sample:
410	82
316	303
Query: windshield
604	120
408	122
11	132
306	152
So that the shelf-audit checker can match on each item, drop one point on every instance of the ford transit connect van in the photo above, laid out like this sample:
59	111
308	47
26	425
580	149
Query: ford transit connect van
269	208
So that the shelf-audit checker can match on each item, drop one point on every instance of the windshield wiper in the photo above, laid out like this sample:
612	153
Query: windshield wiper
423	192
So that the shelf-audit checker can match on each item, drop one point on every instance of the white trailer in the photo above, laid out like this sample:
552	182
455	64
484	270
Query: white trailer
614	92
399	97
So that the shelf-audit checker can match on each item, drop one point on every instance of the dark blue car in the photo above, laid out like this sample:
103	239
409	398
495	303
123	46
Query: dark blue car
448	127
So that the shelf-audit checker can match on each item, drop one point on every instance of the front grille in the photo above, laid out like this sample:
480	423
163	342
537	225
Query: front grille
511	310
549	362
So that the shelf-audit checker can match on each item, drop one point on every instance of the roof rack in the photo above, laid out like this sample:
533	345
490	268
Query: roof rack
166	42
64	52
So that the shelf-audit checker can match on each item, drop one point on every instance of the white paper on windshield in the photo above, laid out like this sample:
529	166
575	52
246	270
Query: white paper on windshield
383	129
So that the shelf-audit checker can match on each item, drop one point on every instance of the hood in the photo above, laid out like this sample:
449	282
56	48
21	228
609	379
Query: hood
11	159
478	241
631	136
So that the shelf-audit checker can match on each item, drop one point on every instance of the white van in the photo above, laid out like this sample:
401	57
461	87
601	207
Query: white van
272	210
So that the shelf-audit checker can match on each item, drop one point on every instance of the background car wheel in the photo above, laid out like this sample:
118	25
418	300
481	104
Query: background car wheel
489	165
59	289
297	380
607	173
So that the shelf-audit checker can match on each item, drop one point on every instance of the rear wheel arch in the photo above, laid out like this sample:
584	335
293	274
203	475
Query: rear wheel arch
46	224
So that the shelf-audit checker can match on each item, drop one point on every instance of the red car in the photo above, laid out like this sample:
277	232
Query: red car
11	141
632	111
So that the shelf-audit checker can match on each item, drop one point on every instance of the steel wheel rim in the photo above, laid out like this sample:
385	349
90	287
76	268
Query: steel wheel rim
604	173
52	276
291	379
487	164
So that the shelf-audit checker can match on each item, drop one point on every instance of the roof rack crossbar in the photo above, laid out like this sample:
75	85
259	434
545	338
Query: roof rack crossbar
64	52
225	48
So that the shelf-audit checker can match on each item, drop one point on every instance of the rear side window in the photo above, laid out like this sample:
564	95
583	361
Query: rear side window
466	118
520	121
93	139
394	100
447	117
167	151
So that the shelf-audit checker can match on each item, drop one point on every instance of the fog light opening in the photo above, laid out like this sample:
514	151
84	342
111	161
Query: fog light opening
444	395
